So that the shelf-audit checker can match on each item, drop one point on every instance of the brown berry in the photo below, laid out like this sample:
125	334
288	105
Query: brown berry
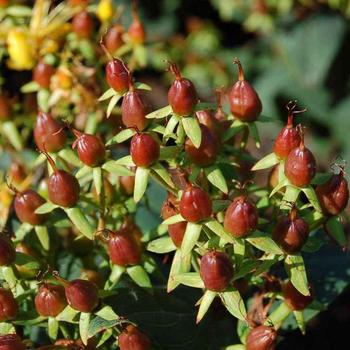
294	299
261	338
133	339
144	150
42	74
114	38
50	300
11	342
83	25
8	305
117	75
5	108
7	250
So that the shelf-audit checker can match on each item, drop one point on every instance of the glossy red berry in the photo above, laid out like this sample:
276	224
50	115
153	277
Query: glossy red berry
90	148
25	204
49	135
294	299
50	300
8	305
216	271
7	250
11	342
182	95
5	108
300	165
241	217
133	339
136	31
83	25
206	153
42	74
333	195
144	150
291	232
289	137
261	338
244	101
114	38
195	204
176	231
207	118
123	249
127	184
117	75
17	173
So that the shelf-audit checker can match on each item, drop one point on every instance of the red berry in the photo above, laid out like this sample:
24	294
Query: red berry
117	75
334	194
90	148
11	342
206	118
42	74
136	30
133	339
5	108
7	251
144	150
50	300
294	299
123	249
216	271
17	173
83	25
127	184
261	338
8	305
114	38
289	137
78	2
195	204
48	133
291	232
300	165
207	151
182	95
25	204
241	217
244	101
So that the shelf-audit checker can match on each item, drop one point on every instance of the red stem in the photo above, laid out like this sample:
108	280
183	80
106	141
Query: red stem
240	69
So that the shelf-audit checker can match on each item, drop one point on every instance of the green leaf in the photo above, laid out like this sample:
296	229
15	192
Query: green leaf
206	300
83	171
179	265
281	184
107	94
32	86
235	347
97	176
114	168
43	97
121	136
140	55
278	315
219	230
336	229
67	315
161	245
10	277
23	230
263	242
290	196
300	320
234	304
138	274
141	180
9	130
27	261
173	219
163	174
234	129
19	11
70	156
191	237
127	161
215	176
296	270
84	322
43	236
254	132
171	125
169	152
190	279
116	273
99	324
7	328
267	162
192	130
160	113
80	221
47	207
205	105
142	86
107	313
312	197
239	250
112	103
52	328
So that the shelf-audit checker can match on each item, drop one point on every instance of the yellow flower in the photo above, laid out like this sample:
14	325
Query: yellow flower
105	10
20	49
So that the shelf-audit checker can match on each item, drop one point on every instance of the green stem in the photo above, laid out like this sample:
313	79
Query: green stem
102	203
278	316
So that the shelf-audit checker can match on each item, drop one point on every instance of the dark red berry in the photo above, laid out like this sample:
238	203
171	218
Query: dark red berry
300	165
25	204
206	118
289	137
261	338
144	150
136	31
8	305
333	195
195	204
291	232
50	300
90	148
83	25
117	75
294	299
42	74
244	101
220	115
127	184
207	151
182	95
49	135
7	250
114	38
241	217
17	173
5	108
216	271
11	342
133	339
